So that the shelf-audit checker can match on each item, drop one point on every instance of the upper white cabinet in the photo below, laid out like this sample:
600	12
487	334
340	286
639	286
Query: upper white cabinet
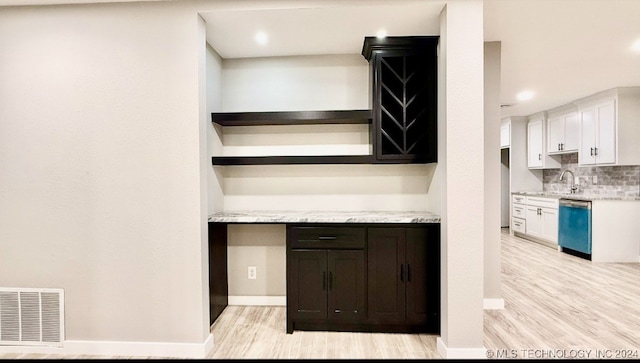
536	152
535	142
563	133
603	128
610	127
505	135
598	134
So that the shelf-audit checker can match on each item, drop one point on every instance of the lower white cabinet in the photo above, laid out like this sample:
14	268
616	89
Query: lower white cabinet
536	217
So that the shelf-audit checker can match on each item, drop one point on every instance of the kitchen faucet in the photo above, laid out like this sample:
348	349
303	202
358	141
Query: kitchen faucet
574	186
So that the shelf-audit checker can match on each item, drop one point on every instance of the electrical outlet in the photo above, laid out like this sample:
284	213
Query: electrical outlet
251	274
595	179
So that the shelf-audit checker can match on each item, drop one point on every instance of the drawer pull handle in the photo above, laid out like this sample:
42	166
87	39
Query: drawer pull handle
327	238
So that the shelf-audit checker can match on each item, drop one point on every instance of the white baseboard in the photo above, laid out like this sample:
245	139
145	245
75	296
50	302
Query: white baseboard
460	353
121	349
258	300
493	304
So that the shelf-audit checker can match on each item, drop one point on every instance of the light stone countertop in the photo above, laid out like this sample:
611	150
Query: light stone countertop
262	216
580	196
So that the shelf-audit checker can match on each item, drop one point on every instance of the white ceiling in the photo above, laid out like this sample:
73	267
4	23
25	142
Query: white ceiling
561	50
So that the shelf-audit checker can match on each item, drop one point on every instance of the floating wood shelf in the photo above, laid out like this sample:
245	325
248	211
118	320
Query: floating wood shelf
297	159
291	118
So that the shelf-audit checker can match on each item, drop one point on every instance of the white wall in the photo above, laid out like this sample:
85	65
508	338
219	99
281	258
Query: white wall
492	201
100	157
215	200
522	178
462	116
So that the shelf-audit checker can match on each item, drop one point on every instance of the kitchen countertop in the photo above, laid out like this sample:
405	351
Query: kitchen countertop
262	216
580	196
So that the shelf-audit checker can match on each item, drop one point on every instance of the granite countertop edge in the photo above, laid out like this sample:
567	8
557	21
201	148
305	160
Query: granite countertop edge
257	216
579	196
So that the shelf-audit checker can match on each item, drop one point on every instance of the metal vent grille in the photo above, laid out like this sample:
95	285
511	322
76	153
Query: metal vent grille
31	316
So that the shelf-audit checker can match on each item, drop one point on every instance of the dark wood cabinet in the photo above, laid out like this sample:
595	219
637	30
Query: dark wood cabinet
218	280
404	277
363	278
404	98
326	282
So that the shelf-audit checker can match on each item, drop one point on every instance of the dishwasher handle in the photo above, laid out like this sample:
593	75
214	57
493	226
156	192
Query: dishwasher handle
585	204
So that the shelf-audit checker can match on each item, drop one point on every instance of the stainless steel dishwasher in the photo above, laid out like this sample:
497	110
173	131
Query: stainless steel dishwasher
574	226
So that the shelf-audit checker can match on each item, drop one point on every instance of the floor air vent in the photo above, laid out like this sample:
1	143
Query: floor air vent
31	316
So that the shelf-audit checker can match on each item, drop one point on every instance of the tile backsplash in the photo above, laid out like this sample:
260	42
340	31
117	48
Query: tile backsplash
616	180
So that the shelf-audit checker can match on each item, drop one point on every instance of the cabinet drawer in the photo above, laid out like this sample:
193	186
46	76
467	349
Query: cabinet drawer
518	225
521	199
326	237
519	210
543	202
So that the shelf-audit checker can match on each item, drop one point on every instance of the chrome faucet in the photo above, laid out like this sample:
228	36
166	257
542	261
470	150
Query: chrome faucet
574	186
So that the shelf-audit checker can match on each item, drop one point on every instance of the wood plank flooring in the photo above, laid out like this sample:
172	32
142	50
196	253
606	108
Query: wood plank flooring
561	302
555	303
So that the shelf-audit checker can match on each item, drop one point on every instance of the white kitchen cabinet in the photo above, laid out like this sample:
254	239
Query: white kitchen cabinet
536	217
535	142
598	134
542	218
563	132
505	135
536	152
518	213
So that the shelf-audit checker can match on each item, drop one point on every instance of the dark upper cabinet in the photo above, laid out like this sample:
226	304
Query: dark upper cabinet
404	81
404	276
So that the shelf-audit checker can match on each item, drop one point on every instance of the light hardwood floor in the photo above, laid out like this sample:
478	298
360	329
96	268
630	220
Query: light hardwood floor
555	303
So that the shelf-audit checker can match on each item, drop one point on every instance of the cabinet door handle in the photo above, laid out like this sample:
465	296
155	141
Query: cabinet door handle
539	156
559	147
591	151
324	280
330	279
401	272
596	149
326	238
408	273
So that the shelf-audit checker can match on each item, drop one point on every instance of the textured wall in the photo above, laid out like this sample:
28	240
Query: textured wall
617	180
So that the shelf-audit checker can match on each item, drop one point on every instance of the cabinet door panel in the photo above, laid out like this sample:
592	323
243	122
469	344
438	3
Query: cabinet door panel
535	142
550	224
571	132
505	135
385	275
405	105
423	276
606	133
555	134
586	155
346	285
307	287
533	222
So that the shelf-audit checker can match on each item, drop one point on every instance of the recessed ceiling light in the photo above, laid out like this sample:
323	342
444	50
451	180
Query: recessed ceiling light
381	34
525	95
636	46
261	38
